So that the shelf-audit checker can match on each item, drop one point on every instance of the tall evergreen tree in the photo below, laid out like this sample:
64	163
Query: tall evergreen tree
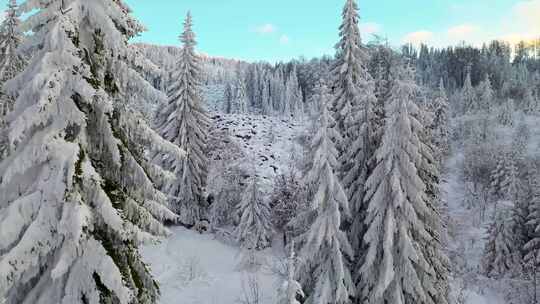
501	255
255	229
11	63
185	122
354	111
468	96
78	193
441	124
486	98
290	289
396	267
324	271
351	79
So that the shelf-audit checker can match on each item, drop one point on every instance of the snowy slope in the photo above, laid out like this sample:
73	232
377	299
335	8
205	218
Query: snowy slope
194	268
268	145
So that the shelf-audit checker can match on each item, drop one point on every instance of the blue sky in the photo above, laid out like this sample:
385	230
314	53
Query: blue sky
284	29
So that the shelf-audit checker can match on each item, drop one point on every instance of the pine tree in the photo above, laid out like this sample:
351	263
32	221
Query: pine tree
184	121
468	96
521	139
440	124
532	247
354	111
497	176
240	100
500	258
324	271
293	96
290	289
78	191
486	99
11	63
352	83
530	103
396	267
255	229
506	113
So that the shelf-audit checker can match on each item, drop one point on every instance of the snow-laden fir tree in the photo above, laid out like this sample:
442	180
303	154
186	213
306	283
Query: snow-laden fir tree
11	63
469	100
498	175
254	232
530	102
501	255
521	139
486	95
266	101
326	251
506	113
441	124
77	195
354	105
396	267
184	121
11	60
291	288
353	87
532	248
236	99
293	94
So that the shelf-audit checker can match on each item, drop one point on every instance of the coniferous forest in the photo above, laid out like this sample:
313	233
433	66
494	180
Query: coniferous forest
133	173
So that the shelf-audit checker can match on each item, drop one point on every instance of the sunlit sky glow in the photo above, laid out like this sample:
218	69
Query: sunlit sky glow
284	29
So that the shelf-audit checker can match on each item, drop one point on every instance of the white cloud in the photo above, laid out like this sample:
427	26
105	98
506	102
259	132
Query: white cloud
284	39
527	13
2	16
462	32
369	28
418	37
266	29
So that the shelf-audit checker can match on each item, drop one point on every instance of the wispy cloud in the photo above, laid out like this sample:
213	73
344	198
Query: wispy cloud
265	29
284	39
369	28
418	37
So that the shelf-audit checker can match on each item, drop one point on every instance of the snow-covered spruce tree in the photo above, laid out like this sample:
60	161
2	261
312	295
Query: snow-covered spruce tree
11	63
500	257
396	267
506	113
354	111
521	139
469	100
184	121
290	289
532	248
353	84
486	95
254	232
77	193
530	102
11	60
240	100
293	94
498	175
440	125
324	270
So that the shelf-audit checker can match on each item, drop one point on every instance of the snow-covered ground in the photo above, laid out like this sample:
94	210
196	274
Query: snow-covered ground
193	268
466	240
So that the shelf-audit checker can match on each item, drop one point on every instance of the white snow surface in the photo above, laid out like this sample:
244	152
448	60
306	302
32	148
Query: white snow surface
214	264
